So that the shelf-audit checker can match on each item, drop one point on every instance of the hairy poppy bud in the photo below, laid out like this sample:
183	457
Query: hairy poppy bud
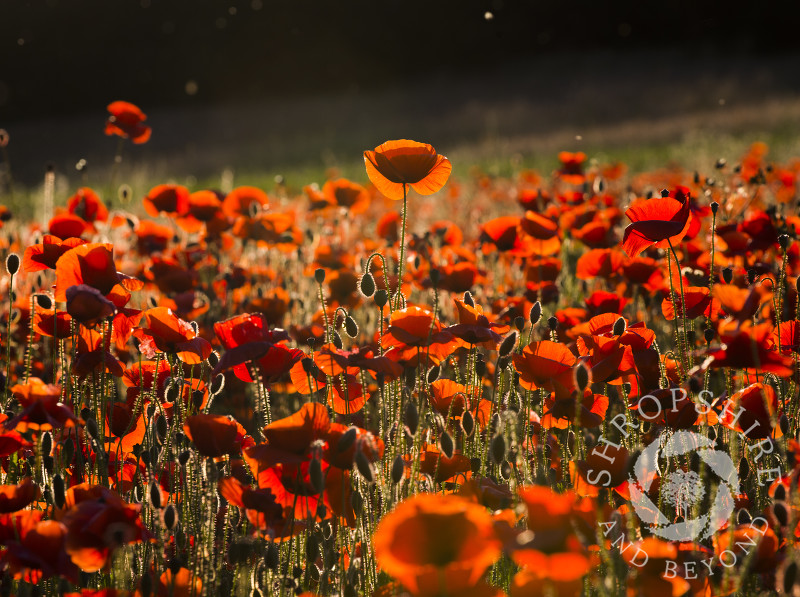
350	326
535	313
468	298
161	429
91	428
272	557
47	443
446	444
398	468
411	418
498	448
435	276
12	263
365	467
356	501
467	423
780	492
319	275
381	298
619	327
709	334
783	241
315	475
433	373
781	513
217	384
552	323
714	207
59	491
507	345
346	440
751	275
480	367
790	578
783	423
44	301
367	285
665	192
581	376
519	322
337	340
744	469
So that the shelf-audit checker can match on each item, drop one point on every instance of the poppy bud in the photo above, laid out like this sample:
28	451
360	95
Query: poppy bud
507	345
155	495
91	428
411	418
751	275
217	384
12	263
59	491
315	475
319	275
468	423
744	469
552	323
346	440
68	448
433	373
356	501
714	207
312	549
170	517
350	326
365	467
495	424
789	578
727	275
213	359
783	423
505	469
783	241
780	492
665	192
709	334
272	557
44	301
468	298
743	517
337	340
146	585
498	448
161	430
381	297
519	322
581	377
367	285
535	313
183	457
781	513
47	443
446	444
480	367
619	327
435	276
48	463
398	469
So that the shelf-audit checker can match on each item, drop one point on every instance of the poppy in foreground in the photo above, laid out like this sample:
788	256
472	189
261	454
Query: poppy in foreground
127	121
655	222
397	163
436	544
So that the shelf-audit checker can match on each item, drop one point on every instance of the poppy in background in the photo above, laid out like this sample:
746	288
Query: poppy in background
127	121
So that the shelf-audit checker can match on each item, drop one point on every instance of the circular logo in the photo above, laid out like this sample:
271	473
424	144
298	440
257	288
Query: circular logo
681	491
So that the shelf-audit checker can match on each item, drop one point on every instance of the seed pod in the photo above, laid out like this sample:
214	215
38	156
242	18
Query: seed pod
498	448
398	469
468	423
535	314
433	373
665	192
315	475
367	285
581	377
619	327
507	345
351	327
319	275
365	467
727	275
170	517
155	495
446	444
411	418
12	263
780	492
468	299
552	323
781	513
59	491
708	335
381	297
44	301
519	322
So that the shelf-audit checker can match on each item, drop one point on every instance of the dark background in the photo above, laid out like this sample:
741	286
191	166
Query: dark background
67	56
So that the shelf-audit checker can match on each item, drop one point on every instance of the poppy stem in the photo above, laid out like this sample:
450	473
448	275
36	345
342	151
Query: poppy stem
402	247
683	342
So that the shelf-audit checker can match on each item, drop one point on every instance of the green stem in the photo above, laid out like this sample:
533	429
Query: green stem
402	248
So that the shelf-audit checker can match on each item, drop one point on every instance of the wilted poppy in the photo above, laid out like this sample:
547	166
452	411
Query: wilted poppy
436	544
395	164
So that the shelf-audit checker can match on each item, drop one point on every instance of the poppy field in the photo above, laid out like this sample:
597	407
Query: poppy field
576	382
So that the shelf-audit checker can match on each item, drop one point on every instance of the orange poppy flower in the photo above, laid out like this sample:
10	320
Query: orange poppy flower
16	497
127	121
560	412
435	544
67	226
86	204
216	435
343	392
750	348
696	299
45	255
552	517
655	222
559	574
414	330
42	409
238	202
36	552
92	264
599	263
759	404
152	237
346	194
395	164
167	198
571	170
163	331
260	506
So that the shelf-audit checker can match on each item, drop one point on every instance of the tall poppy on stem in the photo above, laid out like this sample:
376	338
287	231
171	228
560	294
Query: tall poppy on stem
394	166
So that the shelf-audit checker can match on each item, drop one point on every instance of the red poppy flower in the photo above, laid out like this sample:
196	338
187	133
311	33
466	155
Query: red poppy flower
343	392
750	348
238	202
436	544
127	121
86	204
346	194
558	574
560	412
42	408
215	435
46	254
260	506
696	299
751	411
414	330
447	396
655	222
67	226
38	552
163	331
395	164
168	198
547	365
16	497
571	170
91	264
599	263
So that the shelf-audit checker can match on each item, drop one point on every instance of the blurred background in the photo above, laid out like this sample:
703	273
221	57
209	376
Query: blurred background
264	87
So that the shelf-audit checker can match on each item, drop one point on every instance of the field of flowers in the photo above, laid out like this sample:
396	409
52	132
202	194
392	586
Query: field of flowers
588	387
